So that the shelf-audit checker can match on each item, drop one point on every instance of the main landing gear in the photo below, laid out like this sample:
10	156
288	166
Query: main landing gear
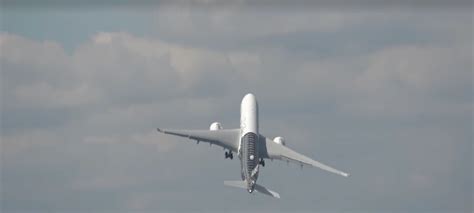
262	162
229	155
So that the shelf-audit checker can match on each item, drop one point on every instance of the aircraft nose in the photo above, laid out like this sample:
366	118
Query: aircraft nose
249	98
249	95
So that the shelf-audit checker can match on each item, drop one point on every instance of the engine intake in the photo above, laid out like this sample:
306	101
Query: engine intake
279	140
215	126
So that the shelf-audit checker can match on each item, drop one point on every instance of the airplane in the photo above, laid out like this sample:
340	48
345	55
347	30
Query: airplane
251	147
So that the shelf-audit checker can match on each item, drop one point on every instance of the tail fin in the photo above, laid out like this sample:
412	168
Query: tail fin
258	188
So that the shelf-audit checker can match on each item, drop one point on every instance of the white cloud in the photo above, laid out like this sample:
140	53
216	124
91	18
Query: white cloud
46	53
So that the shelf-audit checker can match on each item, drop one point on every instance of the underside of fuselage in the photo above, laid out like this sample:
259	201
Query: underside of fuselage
249	159
248	149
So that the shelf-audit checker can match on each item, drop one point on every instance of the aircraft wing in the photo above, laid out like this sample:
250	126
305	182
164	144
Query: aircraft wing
227	138
272	150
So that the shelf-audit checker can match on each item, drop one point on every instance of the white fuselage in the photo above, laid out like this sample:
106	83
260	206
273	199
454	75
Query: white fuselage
248	144
249	114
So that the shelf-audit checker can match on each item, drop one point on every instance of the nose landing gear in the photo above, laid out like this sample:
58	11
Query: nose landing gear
229	155
262	162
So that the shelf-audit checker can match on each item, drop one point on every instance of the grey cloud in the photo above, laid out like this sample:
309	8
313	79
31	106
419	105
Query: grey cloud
386	115
326	33
106	70
243	28
245	3
396	78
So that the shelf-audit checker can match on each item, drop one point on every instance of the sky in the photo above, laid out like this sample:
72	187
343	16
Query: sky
382	90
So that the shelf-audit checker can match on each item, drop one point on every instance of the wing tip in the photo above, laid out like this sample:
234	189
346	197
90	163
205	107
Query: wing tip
159	130
276	195
345	174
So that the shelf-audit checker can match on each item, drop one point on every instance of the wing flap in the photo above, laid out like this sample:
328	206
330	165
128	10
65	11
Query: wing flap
273	150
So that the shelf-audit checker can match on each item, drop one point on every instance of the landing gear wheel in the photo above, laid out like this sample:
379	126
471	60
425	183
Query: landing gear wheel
229	155
262	162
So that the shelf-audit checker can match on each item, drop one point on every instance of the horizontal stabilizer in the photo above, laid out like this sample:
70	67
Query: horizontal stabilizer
266	191
258	188
236	183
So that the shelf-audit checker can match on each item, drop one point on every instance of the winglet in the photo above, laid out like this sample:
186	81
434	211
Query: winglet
159	130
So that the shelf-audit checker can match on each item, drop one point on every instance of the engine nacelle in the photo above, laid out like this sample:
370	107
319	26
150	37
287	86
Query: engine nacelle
279	140
215	126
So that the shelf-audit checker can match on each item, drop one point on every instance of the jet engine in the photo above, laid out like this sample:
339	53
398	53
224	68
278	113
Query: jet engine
215	126
279	140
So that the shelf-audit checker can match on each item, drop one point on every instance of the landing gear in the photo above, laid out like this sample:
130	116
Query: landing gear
229	155
262	162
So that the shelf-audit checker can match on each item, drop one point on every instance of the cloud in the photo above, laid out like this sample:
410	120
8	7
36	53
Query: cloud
244	27
80	125
242	3
404	80
245	22
419	68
